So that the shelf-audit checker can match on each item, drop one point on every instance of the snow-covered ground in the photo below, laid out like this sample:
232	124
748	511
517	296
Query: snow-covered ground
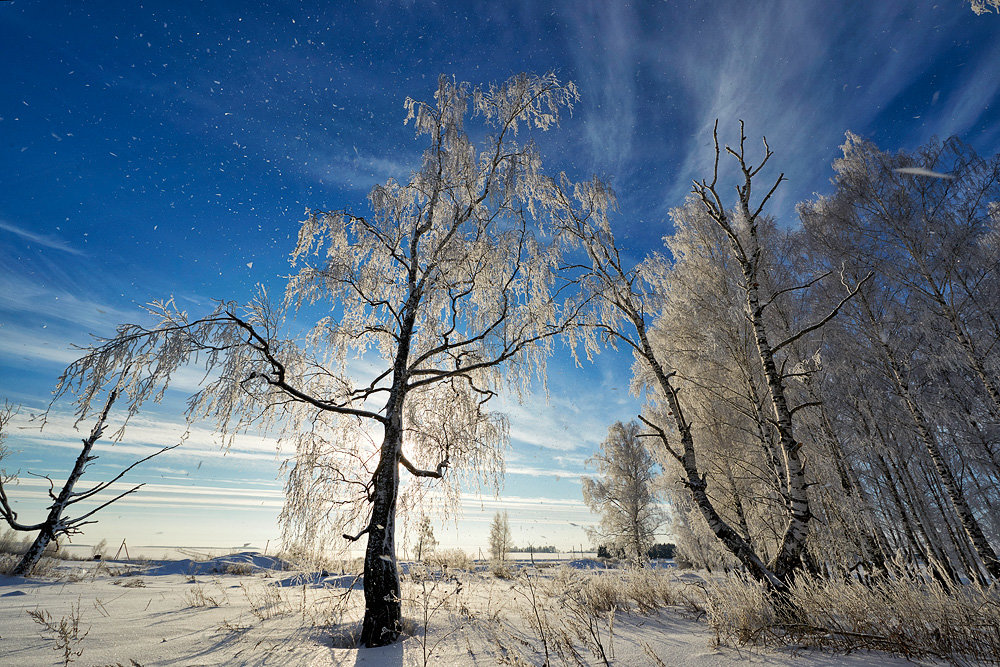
247	609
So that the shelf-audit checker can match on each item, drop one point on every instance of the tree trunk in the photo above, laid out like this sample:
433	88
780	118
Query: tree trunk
873	536
383	612
918	549
927	527
741	517
34	553
789	556
957	537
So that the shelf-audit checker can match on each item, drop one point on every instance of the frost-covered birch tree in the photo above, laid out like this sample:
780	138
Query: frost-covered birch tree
500	539
426	542
448	289
624	492
625	302
741	226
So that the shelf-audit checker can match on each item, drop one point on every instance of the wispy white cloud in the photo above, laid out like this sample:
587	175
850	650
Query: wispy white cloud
475	501
26	298
977	93
41	324
19	344
170	495
534	471
554	425
799	73
765	72
143	436
354	169
44	240
603	37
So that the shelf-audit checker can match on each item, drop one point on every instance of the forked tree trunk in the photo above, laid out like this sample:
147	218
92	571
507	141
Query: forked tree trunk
725	533
54	522
695	481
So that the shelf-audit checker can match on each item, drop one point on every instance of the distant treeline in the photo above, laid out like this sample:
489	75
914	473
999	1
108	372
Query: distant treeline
531	549
658	550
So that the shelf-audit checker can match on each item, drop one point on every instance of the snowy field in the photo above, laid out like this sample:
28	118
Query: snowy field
249	609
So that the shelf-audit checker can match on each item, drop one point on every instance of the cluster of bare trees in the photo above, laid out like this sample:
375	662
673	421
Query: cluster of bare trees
828	393
910	388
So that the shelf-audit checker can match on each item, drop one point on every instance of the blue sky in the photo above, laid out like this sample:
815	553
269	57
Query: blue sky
170	148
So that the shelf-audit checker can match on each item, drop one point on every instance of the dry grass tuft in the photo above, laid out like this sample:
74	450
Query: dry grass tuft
46	566
902	613
567	614
14	544
650	590
66	631
739	611
197	597
502	569
266	601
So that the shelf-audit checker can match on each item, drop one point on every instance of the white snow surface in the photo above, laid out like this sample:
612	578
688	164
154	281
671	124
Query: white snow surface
249	609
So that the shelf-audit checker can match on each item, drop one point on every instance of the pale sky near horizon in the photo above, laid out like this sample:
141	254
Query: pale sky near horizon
170	148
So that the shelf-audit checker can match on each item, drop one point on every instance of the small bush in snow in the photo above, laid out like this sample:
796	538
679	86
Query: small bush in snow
455	559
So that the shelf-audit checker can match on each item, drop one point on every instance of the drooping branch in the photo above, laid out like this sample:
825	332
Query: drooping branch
10	516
